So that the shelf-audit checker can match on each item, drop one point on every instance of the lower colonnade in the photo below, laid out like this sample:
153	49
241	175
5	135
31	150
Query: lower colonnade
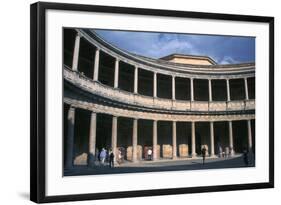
87	132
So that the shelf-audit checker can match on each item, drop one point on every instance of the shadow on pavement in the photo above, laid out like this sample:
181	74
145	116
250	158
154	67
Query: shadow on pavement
236	162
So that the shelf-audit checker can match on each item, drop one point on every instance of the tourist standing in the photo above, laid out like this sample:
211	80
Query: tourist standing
204	153
220	152
149	154
227	152
246	157
111	159
102	156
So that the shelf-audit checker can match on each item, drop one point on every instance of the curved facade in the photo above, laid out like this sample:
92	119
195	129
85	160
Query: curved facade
173	105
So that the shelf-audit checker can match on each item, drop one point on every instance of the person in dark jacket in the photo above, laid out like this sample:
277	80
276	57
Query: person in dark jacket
203	154
111	159
246	157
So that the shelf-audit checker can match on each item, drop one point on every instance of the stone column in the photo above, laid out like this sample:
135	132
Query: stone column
250	144
191	90
154	140
136	80
92	140
114	136
135	140
70	138
174	139
193	142
210	90
116	73
212	140
246	89
76	53
230	138
155	85
96	68
173	88
227	89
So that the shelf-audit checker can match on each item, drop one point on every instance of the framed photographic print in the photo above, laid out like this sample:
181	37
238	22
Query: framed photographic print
129	102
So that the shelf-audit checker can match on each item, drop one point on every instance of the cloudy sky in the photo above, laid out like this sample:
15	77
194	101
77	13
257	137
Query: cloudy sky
223	49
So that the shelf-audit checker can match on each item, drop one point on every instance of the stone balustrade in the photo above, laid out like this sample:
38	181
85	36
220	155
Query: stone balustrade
153	102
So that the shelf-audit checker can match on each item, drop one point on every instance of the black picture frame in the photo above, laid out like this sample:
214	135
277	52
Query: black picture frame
38	100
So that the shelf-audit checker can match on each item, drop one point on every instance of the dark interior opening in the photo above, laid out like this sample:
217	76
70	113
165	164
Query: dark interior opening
145	82
182	88
237	89
126	76
201	89
219	90
106	69
164	86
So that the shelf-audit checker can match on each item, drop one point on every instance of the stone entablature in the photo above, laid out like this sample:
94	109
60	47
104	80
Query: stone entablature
97	108
168	68
116	94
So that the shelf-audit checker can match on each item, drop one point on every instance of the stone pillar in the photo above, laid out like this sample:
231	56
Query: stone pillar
174	139
228	90
173	88
210	90
212	140
154	140
116	73
114	136
246	89
230	138
135	139
70	138
193	142
250	144
96	67
191	90
136	80
92	140
155	85
76	53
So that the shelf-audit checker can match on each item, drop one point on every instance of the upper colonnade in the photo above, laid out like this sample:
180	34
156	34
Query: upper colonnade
160	66
208	88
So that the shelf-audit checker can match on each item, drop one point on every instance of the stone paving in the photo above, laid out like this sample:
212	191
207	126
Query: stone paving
161	165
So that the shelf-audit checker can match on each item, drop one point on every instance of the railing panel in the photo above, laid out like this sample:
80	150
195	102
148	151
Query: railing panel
150	102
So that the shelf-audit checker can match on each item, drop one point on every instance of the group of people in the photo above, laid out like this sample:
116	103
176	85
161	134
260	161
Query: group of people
105	156
226	152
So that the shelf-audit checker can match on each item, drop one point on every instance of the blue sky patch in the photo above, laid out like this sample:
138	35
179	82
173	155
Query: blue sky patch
223	49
